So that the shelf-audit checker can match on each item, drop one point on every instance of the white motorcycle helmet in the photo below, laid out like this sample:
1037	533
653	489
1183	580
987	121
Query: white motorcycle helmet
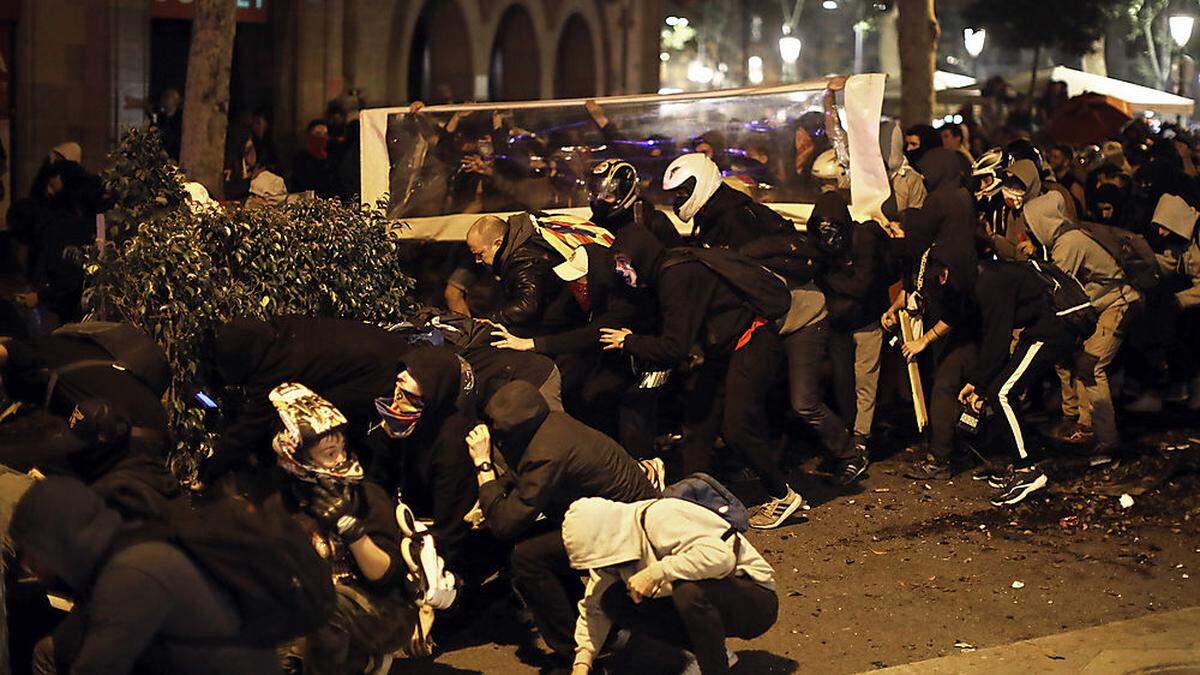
827	168
694	178
987	173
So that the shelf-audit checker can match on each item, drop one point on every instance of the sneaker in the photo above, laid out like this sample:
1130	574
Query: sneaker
655	472
1080	436
776	511
853	469
930	468
994	475
1023	483
1148	402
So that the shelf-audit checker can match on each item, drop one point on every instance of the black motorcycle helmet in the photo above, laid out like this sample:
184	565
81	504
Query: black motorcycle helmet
612	189
1023	148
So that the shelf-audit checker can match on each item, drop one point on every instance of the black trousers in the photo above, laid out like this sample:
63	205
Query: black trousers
698	616
1032	360
949	376
807	354
740	414
542	576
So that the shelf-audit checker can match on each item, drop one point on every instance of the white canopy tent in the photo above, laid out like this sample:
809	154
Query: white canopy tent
1140	98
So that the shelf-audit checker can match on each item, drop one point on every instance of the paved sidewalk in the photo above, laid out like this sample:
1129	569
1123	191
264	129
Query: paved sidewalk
1167	642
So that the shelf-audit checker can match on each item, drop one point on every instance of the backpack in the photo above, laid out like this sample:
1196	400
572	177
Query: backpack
763	291
131	349
282	587
1069	300
704	490
1131	251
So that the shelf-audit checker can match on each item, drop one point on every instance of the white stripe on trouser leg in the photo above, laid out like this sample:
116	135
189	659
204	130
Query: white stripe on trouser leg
1002	396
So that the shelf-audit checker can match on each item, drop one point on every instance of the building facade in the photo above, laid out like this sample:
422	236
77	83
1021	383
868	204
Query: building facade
86	70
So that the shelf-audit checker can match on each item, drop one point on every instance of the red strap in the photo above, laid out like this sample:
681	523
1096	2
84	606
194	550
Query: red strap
758	322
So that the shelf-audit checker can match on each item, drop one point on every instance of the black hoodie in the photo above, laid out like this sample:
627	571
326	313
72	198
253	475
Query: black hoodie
348	363
432	465
946	220
128	606
556	460
696	306
854	282
730	219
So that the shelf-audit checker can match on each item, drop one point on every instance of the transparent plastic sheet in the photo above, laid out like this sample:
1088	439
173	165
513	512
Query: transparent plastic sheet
443	166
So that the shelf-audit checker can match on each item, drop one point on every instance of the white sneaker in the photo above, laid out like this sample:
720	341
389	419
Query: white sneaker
776	511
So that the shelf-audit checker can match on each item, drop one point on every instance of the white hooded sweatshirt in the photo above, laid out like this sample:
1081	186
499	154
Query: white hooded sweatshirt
681	541
1176	216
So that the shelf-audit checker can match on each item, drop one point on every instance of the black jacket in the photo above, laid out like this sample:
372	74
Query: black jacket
525	267
644	214
432	465
946	220
310	172
556	460
731	219
695	305
854	281
129	605
1010	295
612	303
348	363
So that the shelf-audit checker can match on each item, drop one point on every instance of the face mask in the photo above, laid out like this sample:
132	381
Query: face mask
625	270
399	414
1015	198
682	195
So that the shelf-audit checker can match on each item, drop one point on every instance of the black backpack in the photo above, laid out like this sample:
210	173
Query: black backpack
763	291
131	349
282	587
1068	298
1131	251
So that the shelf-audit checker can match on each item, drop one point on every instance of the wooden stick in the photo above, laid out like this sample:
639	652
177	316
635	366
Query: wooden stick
911	329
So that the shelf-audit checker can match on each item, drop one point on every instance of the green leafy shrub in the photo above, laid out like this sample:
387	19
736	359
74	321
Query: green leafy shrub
180	271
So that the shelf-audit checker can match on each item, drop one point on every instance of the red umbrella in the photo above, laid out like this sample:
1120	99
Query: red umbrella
1089	118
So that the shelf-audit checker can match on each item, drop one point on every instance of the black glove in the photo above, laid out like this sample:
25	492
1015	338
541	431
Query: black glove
336	508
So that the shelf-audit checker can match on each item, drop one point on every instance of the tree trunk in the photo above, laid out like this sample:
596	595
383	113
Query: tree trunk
206	98
1094	61
918	29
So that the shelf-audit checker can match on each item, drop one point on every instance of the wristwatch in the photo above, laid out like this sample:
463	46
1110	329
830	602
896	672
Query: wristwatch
483	467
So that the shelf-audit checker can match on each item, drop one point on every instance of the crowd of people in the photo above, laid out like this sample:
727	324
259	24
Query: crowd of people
567	423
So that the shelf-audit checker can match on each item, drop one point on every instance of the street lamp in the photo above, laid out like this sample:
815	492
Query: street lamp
1181	29
973	40
789	46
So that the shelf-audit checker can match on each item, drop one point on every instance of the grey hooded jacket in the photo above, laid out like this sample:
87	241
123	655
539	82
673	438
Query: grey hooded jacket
1072	250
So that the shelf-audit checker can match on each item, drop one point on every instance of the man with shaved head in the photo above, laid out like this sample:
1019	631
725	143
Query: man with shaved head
523	263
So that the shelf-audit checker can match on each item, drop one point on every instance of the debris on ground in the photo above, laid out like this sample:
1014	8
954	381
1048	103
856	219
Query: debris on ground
1018	584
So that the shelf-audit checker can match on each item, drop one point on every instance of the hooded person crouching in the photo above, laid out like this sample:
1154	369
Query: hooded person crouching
382	567
555	460
432	408
1085	392
139	607
667	569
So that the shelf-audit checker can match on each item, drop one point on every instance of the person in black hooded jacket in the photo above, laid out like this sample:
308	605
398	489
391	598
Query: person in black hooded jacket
947	219
144	605
604	386
349	363
100	424
742	353
433	407
855	288
555	460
